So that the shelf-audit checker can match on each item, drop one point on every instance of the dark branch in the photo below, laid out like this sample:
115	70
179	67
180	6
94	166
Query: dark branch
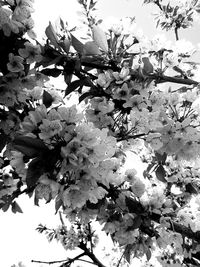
100	66
91	255
163	78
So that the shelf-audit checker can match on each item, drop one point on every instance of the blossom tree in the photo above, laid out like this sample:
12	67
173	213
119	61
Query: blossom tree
133	94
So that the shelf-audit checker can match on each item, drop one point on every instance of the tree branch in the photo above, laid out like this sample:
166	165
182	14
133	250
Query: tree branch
49	262
159	78
67	261
163	78
100	66
91	255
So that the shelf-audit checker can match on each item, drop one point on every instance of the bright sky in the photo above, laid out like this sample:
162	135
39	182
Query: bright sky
47	10
19	240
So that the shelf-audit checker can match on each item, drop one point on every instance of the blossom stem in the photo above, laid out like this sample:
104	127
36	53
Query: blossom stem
176	33
158	4
130	137
121	258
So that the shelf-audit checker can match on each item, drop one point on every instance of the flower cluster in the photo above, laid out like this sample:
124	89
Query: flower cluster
84	156
16	17
180	15
71	237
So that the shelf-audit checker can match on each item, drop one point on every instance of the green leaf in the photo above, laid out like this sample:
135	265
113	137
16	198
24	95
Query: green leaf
16	208
31	142
62	24
191	188
27	151
146	173
73	86
147	66
51	34
48	61
78	46
65	44
148	254
91	48
36	200
99	37
136	222
58	204
161	158
29	146
47	99
197	8
134	206
76	84
35	170
161	173
127	252
69	69
51	72
67	78
157	24
84	96
30	193
5	207
4	139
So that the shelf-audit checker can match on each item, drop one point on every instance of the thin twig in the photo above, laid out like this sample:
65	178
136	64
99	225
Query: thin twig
87	261
120	259
50	262
90	236
68	261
